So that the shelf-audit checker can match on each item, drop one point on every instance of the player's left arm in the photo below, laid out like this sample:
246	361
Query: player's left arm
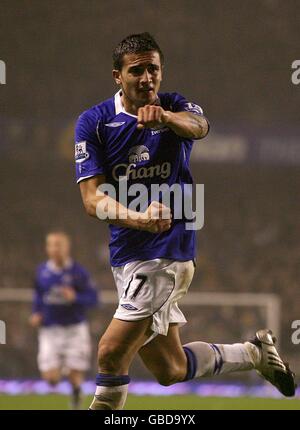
185	124
85	292
36	316
87	296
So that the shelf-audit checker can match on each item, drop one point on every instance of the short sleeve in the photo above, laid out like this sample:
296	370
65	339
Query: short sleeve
89	150
180	104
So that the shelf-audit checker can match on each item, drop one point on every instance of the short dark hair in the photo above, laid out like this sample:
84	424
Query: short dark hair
135	44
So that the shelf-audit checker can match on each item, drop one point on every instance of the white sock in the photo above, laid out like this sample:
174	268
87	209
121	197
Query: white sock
216	359
111	392
109	398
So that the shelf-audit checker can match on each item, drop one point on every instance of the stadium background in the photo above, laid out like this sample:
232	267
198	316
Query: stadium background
232	57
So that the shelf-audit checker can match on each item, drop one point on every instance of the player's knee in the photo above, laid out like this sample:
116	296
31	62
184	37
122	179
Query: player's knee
170	376
109	357
76	378
52	379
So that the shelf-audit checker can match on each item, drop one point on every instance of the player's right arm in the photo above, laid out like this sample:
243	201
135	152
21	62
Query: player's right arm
36	318
156	218
90	172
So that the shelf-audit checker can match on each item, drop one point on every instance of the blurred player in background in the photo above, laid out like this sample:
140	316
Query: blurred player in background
63	293
146	137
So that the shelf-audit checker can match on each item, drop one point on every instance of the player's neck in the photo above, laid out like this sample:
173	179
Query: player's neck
61	263
129	105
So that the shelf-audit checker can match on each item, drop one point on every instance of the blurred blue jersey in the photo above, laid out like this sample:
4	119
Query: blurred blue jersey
108	142
48	299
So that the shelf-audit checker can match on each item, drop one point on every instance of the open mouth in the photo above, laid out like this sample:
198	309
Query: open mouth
147	90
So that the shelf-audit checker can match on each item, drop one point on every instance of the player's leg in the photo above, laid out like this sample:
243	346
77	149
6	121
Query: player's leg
143	286
165	357
194	359
120	343
49	360
52	376
172	362
76	378
76	347
117	347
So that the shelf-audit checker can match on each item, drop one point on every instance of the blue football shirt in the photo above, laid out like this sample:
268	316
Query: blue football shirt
49	301
108	142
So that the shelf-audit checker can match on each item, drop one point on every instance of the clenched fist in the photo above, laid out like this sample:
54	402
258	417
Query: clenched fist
157	218
151	116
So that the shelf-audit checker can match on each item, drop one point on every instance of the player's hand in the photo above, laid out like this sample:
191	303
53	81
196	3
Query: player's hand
151	116
68	293
35	320
157	218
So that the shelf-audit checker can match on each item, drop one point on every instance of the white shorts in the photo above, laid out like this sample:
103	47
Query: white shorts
153	288
64	347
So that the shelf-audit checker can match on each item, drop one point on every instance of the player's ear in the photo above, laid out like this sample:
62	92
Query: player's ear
117	76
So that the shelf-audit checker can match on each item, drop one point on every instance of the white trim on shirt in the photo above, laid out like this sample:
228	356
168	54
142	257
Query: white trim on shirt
119	106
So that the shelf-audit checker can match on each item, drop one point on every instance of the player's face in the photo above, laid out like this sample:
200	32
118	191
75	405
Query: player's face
140	77
58	248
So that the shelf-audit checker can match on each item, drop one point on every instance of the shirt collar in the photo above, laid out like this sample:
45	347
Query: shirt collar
54	268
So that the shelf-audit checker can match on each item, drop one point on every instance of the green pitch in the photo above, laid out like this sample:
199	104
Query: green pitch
55	401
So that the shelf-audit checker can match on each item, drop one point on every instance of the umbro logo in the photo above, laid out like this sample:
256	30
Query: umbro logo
114	124
129	307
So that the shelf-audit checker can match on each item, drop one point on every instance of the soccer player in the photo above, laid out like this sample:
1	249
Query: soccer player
143	136
63	293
